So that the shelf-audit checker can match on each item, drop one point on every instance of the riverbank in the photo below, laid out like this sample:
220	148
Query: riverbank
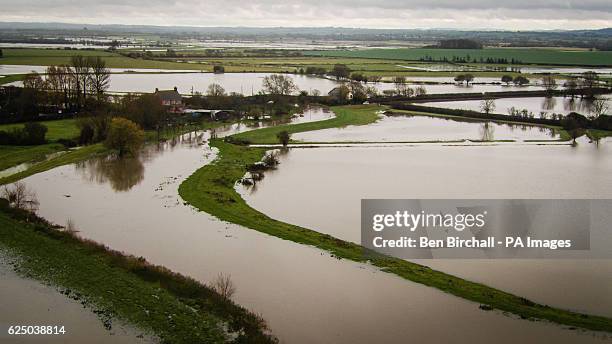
211	189
175	308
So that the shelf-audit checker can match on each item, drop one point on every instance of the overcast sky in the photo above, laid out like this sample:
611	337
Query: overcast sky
467	14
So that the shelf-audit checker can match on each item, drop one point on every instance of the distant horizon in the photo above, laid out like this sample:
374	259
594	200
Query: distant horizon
475	29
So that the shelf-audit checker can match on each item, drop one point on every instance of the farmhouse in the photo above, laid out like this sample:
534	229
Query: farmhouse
171	99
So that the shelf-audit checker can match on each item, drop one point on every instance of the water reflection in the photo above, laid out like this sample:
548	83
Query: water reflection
549	103
406	128
487	130
124	173
534	105
121	173
582	105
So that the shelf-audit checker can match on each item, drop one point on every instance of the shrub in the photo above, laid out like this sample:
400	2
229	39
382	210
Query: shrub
603	122
35	133
124	136
30	134
574	121
284	137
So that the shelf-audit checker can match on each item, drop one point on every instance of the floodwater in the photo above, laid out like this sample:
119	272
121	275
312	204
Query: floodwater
28	302
251	83
558	105
338	178
424	128
305	294
244	83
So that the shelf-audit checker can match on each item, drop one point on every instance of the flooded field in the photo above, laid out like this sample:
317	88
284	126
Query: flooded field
305	295
423	128
251	83
338	178
535	105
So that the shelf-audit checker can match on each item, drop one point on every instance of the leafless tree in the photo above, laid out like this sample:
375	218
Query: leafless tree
487	105
571	85
599	107
70	227
224	286
215	90
81	70
420	91
549	82
279	84
99	76
20	197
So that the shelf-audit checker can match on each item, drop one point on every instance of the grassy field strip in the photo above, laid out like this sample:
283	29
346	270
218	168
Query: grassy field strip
384	66
73	156
211	189
57	129
175	308
355	115
11	156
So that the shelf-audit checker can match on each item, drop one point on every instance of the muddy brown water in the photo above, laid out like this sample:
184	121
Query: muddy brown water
338	178
305	295
535	105
27	302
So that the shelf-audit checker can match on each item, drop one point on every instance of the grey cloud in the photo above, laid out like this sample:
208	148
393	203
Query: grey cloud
527	14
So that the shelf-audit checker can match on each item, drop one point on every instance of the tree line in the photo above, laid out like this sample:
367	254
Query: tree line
82	84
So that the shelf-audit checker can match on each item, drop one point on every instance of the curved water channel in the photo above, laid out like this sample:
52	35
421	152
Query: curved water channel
339	177
305	295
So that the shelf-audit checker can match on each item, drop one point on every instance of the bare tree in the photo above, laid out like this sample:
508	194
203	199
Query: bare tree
20	197
549	83
487	105
420	91
70	227
570	86
100	76
215	90
279	84
81	69
599	107
401	86
589	81
224	286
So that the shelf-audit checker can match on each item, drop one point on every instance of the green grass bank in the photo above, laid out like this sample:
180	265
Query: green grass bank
175	308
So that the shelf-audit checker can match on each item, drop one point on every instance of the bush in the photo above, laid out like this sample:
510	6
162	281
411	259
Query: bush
30	134
574	121
87	132
35	133
284	137
603	122
124	136
218	69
